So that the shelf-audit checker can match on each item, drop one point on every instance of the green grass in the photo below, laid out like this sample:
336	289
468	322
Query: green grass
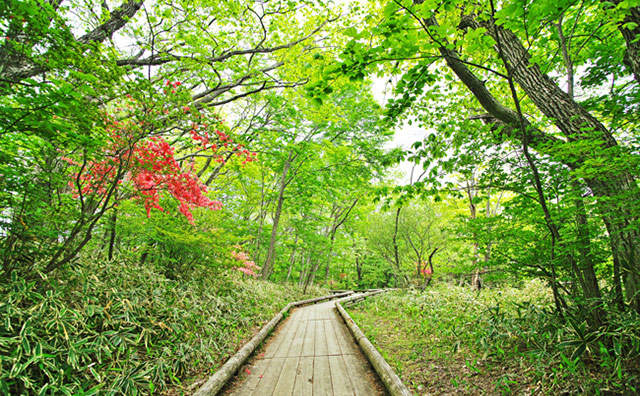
124	329
450	340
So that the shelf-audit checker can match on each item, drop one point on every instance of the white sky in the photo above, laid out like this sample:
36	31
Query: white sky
405	135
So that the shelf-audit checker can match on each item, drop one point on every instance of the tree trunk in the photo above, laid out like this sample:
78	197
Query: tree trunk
292	259
576	123
396	256
427	279
630	29
329	255
261	215
303	267
112	232
476	282
268	265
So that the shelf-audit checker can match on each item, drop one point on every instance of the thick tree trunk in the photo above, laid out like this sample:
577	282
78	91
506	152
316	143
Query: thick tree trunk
577	124
630	29
587	273
14	67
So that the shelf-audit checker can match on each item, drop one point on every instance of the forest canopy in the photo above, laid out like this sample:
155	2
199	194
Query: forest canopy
227	141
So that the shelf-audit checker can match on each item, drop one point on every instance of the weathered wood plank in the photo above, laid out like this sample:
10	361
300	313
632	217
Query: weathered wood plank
346	341
320	348
287	379
308	346
333	347
270	378
358	373
251	381
322	385
304	377
220	378
283	348
298	339
340	377
313	354
277	342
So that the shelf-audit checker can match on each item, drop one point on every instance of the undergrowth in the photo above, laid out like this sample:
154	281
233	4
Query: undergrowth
124	329
450	340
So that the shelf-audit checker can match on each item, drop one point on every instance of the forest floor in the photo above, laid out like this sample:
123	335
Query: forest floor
450	340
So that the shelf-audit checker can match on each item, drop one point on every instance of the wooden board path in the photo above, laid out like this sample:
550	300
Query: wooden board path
313	354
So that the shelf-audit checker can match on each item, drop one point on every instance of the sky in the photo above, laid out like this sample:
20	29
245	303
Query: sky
405	135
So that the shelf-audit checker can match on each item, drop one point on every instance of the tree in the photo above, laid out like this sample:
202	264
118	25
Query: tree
63	92
483	49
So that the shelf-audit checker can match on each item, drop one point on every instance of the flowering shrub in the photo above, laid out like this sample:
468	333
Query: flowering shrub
248	266
147	163
426	271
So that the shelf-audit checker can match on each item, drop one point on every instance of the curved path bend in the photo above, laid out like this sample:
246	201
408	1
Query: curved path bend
312	354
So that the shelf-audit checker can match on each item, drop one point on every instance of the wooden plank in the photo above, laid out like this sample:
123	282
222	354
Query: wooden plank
322	385
333	347
308	345
340	377
287	338
231	366
346	341
313	353
304	377
287	379
298	339
275	346
251	381
270	378
358	370
322	311
320	338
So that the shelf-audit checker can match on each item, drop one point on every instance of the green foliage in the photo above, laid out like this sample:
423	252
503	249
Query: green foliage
124	329
503	340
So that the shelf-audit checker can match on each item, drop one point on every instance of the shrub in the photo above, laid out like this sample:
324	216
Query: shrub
122	329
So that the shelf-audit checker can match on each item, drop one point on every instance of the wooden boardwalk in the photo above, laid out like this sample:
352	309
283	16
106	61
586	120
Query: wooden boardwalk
312	354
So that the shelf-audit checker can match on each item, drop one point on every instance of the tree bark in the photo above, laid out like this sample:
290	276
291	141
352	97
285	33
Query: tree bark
396	255
292	259
577	124
267	268
630	29
337	222
112	232
15	67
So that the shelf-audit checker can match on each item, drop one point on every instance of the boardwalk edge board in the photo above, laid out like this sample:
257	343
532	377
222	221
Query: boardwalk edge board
231	366
389	378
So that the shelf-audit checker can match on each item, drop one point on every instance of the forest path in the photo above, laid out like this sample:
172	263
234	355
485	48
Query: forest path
311	354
